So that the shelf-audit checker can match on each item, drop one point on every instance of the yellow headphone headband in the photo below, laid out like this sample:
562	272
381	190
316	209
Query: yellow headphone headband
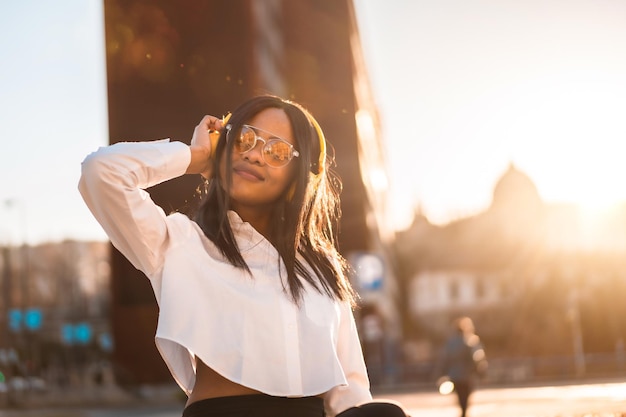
321	164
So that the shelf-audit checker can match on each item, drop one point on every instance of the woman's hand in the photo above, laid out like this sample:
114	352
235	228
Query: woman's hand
203	143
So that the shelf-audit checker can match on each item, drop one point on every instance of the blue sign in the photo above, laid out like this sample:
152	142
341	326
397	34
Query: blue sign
15	319
33	319
67	334
106	342
79	334
370	271
82	333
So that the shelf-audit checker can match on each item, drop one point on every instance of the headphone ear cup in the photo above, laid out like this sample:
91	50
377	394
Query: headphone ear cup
215	138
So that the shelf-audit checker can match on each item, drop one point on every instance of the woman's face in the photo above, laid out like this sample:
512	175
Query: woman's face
256	185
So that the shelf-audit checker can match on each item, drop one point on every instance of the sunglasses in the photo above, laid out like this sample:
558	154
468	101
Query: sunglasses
276	152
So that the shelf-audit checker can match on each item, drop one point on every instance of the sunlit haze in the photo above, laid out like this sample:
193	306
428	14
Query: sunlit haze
463	88
466	88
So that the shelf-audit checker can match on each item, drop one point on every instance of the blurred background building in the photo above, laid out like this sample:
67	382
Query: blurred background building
542	282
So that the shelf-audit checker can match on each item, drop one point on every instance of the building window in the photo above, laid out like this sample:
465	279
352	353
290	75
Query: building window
454	290
481	289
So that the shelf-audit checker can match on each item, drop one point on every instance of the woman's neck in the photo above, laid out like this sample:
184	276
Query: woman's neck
259	219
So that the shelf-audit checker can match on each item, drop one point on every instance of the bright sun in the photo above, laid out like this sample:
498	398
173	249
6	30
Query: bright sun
573	142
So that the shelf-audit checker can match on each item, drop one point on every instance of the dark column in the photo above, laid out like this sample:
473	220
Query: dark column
171	62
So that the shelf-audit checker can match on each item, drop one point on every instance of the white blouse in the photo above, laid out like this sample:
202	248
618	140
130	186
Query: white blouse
247	328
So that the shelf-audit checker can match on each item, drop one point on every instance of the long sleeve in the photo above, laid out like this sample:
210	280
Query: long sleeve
112	184
350	355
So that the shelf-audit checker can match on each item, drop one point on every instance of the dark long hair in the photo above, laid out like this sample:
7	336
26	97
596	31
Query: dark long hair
304	219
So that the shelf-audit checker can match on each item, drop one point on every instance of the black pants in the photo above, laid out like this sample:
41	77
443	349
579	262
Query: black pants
374	410
268	406
256	406
463	390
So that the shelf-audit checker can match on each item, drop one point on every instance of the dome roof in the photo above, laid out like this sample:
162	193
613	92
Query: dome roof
515	188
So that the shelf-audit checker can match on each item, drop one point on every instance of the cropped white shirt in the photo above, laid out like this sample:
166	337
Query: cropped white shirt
247	328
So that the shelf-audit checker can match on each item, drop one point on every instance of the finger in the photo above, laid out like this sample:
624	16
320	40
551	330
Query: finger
212	123
208	122
218	125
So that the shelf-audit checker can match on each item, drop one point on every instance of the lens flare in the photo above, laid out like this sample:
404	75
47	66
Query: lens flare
446	387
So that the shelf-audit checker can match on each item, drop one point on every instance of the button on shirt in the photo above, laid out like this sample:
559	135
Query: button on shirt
244	326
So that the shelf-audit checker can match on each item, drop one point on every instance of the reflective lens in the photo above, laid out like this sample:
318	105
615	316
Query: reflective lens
276	152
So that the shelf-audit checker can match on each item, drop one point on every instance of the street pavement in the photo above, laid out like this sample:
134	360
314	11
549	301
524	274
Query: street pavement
602	399
597	400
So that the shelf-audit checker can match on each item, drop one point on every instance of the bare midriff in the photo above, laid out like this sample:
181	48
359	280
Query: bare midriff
210	384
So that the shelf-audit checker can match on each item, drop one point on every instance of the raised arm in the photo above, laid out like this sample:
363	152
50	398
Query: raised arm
113	182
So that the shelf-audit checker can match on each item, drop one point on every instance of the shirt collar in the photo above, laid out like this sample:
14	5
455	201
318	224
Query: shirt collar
247	236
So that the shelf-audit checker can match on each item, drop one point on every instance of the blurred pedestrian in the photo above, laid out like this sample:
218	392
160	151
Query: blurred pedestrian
255	303
463	361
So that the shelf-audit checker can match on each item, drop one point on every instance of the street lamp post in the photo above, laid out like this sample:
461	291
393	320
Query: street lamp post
7	345
577	337
7	274
6	299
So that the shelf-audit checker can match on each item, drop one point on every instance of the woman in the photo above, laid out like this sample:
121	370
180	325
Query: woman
255	311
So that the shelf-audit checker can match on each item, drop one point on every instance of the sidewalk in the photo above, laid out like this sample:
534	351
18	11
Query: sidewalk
590	399
60	402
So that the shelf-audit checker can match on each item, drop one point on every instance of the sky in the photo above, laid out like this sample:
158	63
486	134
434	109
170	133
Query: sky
52	114
467	87
464	88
